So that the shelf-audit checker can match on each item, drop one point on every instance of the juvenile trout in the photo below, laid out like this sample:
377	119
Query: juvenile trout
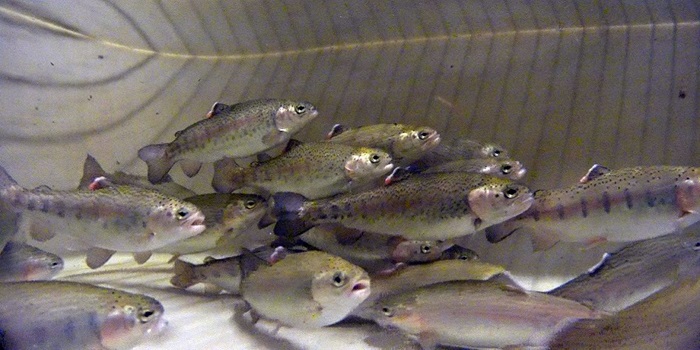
634	272
93	170
315	170
239	130
460	148
506	168
624	205
69	315
22	262
119	218
422	207
478	314
405	143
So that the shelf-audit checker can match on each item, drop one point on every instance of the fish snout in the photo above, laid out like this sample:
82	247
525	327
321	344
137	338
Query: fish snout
195	222
361	288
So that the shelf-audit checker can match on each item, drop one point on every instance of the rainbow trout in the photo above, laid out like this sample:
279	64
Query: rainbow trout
22	262
315	170
624	205
240	130
114	218
506	168
422	207
460	148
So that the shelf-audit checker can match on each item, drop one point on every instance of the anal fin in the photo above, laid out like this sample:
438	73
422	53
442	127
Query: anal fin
40	231
97	257
142	257
190	167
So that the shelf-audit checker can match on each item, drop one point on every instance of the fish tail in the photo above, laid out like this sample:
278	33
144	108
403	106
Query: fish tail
184	274
91	170
228	176
286	208
5	179
158	163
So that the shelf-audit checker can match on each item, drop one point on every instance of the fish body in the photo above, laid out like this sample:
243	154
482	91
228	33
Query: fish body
478	314
315	170
68	315
633	273
224	215
506	168
92	170
22	262
460	148
422	207
405	143
240	130
306	290
622	205
223	274
119	218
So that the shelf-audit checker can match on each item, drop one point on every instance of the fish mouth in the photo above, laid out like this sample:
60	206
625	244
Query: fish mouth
431	142
361	288
387	168
195	221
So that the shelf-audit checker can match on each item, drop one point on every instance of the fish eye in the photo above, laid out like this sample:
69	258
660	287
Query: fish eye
55	264
300	109
425	248
510	192
182	213
506	168
388	312
423	135
250	204
146	315
463	257
374	158
496	153
338	279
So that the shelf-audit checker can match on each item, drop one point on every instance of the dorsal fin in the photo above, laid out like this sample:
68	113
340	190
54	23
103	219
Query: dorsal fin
216	109
595	171
336	130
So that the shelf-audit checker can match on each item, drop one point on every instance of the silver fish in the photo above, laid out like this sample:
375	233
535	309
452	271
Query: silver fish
624	205
633	273
93	170
460	148
68	315
422	207
218	274
235	131
22	262
119	218
506	168
478	314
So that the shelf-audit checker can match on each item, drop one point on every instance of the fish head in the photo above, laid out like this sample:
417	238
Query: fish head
368	164
397	312
505	168
417	251
43	268
244	211
491	150
499	200
459	253
292	116
413	143
133	317
340	286
174	220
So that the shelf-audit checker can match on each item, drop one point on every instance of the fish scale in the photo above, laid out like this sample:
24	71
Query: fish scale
624	205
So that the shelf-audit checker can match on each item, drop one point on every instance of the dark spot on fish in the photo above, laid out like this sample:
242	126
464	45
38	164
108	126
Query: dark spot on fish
168	214
144	224
51	63
651	201
536	214
78	215
606	202
69	329
681	94
560	211
45	205
104	225
584	207
323	216
477	223
30	205
100	56
628	198
61	214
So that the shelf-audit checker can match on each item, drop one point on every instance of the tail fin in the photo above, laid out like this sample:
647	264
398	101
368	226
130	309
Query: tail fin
228	176
184	274
286	208
91	170
158	164
5	179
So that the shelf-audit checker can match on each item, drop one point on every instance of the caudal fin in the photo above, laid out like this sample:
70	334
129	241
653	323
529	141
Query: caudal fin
5	179
184	274
91	170
228	176
158	163
286	208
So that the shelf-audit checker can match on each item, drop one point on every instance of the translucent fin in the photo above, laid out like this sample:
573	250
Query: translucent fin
190	167
97	257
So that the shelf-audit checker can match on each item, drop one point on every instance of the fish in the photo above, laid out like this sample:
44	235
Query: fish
506	168
405	143
668	319
22	262
240	130
407	278
459	253
478	314
622	205
70	315
306	290
92	170
460	148
225	215
633	273
421	207
315	170
114	218
371	251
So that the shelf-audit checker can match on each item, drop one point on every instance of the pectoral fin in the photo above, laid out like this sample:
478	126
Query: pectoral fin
142	257
190	167
275	137
40	231
97	257
543	240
